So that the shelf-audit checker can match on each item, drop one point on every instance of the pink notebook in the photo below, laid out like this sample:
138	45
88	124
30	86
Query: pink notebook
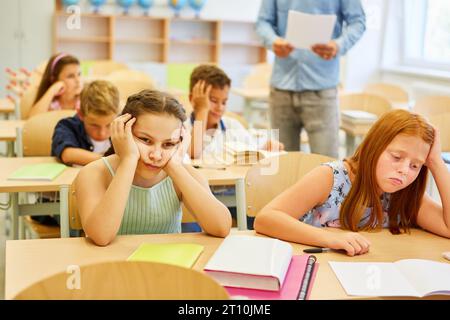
291	285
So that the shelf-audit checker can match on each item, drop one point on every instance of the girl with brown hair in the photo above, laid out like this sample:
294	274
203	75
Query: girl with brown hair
139	187
60	86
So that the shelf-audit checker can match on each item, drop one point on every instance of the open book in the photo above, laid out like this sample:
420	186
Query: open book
250	262
179	254
358	116
38	172
243	154
409	277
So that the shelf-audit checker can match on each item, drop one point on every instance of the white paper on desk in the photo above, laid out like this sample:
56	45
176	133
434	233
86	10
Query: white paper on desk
305	30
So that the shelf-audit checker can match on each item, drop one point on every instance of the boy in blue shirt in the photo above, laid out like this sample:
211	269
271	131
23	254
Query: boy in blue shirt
84	137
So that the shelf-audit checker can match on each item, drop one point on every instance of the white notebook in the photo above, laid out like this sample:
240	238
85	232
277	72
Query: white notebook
407	278
250	262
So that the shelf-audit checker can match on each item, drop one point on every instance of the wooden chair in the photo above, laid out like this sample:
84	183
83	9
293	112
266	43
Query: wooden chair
442	122
237	117
36	135
363	102
393	93
432	105
258	80
126	280
27	101
128	87
102	68
261	188
132	75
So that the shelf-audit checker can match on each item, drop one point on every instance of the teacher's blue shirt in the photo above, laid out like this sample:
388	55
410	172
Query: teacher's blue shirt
303	69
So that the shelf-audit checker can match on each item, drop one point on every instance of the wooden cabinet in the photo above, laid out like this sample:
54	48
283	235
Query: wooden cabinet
152	39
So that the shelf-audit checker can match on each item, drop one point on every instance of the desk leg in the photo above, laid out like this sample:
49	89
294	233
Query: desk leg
14	215
248	111
64	211
10	149
349	144
241	211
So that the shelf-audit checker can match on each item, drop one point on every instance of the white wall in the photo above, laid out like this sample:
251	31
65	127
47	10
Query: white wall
25	34
362	63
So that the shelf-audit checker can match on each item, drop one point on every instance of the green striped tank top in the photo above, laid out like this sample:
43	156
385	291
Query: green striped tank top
151	210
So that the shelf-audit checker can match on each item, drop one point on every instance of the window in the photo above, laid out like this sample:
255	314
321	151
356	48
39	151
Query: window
427	33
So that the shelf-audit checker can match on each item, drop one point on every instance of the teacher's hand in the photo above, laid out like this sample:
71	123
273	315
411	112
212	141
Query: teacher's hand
326	51
282	48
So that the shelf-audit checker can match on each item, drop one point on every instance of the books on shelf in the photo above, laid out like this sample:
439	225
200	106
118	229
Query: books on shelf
179	254
406	278
250	262
358	116
38	172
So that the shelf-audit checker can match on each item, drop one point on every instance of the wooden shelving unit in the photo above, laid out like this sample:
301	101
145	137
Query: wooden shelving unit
153	39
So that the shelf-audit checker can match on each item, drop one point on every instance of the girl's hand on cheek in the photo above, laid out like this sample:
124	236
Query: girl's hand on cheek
122	138
181	148
434	156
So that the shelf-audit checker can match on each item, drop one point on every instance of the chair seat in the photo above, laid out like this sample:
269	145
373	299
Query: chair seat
42	231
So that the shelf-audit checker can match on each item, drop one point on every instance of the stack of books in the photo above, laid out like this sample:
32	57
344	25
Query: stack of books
262	268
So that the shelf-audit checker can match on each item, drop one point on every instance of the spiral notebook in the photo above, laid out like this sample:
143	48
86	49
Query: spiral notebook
297	285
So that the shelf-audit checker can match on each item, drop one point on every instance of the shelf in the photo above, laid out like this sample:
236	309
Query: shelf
84	39
158	39
193	42
140	40
246	44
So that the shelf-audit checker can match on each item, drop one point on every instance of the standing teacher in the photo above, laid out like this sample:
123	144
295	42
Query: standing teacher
303	85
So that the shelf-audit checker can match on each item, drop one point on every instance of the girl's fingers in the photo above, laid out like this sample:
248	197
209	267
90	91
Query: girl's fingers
349	249
129	124
356	245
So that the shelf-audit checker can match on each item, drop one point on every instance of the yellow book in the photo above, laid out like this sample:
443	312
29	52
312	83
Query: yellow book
179	254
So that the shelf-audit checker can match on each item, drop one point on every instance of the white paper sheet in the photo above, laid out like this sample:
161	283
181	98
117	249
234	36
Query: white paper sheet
305	30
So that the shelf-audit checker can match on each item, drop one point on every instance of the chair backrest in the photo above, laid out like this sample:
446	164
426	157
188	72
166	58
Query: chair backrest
27	101
364	102
126	280
128	87
432	105
133	75
441	122
238	117
261	188
259	77
38	130
101	68
391	92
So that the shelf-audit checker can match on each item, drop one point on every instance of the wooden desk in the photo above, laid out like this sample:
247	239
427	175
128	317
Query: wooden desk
61	184
28	261
7	107
8	133
231	176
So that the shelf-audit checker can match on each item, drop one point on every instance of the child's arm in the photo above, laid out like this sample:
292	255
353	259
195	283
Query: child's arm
42	105
101	206
211	214
200	103
433	216
79	156
280	218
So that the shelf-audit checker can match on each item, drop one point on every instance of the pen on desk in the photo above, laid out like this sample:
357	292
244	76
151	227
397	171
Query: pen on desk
306	280
209	167
316	250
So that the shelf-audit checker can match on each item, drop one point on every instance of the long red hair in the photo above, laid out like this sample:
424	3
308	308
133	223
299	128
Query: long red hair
404	204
